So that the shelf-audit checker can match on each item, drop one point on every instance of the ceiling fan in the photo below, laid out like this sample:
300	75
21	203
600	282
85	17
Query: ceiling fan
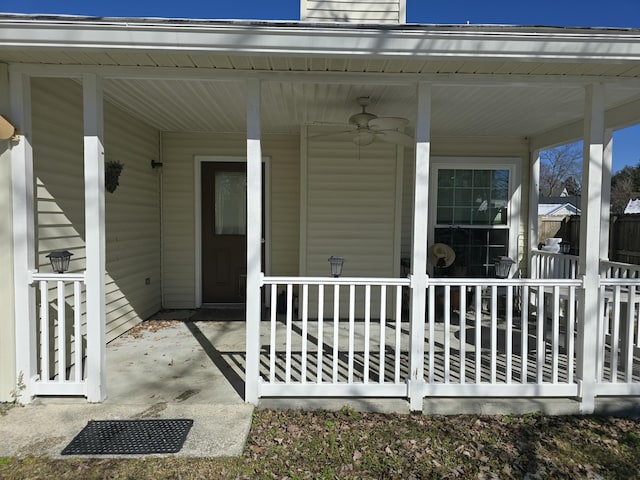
365	127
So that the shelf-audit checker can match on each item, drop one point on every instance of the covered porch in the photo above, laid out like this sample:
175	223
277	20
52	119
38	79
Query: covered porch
557	326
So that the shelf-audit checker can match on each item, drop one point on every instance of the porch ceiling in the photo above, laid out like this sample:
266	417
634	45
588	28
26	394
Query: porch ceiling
460	110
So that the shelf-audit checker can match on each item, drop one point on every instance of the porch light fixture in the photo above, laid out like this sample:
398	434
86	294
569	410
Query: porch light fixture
60	260
503	266
336	265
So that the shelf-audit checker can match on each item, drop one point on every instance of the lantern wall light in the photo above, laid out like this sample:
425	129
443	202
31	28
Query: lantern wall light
503	266
60	260
336	265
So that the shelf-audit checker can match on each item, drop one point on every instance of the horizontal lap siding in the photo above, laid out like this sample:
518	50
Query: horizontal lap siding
357	11
179	152
132	211
351	206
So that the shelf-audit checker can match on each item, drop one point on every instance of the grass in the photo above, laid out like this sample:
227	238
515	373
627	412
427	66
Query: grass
348	444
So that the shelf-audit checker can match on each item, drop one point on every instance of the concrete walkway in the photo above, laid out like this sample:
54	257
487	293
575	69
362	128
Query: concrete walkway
163	369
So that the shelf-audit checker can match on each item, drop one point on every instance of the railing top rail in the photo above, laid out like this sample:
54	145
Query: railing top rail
626	266
440	281
500	282
270	280
65	277
624	282
535	251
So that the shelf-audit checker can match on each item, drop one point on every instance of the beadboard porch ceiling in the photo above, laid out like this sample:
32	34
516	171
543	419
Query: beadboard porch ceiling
482	110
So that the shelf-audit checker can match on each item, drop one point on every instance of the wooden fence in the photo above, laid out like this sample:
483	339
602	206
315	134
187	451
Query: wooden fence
624	235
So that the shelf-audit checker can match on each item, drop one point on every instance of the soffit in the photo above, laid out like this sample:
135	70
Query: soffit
274	63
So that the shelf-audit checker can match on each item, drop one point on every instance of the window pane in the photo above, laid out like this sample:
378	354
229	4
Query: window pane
445	178
463	178
476	249
230	203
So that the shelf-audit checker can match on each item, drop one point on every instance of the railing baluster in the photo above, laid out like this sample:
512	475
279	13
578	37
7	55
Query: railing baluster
524	336
615	334
44	330
631	313
601	334
494	332
367	331
463	332
571	321
556	334
352	319
447	332
320	332
305	331
383	327
431	317
62	332
336	331
398	342
77	330
478	334
540	348
509	333
272	346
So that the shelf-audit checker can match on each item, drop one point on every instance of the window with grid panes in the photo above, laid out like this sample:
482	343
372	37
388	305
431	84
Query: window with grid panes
471	217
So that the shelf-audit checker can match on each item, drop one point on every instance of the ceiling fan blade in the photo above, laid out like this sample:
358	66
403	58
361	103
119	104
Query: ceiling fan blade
342	134
388	123
393	136
318	123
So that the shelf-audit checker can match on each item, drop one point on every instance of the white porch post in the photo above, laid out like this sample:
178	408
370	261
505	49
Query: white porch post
254	236
590	228
94	236
24	250
607	166
419	247
534	199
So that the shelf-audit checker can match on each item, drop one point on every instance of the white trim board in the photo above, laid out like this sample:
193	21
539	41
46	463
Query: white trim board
197	189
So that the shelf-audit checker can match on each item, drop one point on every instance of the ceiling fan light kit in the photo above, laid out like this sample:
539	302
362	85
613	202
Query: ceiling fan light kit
367	127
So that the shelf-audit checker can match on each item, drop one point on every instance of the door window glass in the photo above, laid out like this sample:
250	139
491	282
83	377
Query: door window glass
230	203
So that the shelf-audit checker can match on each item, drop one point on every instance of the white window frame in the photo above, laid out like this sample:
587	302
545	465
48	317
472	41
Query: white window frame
514	206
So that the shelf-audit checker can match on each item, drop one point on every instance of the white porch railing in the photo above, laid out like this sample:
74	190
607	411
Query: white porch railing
495	337
553	265
60	343
483	337
619	346
347	337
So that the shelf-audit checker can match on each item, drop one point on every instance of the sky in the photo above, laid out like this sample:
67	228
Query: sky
556	13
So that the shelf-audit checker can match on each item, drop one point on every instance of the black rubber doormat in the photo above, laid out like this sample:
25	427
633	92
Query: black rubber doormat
129	437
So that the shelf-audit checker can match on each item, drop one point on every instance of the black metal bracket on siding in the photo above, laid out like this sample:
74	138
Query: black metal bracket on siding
155	164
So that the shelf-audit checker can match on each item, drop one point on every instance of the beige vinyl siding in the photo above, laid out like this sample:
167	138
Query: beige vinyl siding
355	11
132	212
179	152
351	198
478	148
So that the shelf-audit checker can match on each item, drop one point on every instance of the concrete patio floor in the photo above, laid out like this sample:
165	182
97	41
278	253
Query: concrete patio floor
168	368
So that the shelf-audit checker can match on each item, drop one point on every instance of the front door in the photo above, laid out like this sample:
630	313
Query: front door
224	228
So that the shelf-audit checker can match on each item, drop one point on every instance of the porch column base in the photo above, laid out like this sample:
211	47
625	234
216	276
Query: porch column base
586	397
415	390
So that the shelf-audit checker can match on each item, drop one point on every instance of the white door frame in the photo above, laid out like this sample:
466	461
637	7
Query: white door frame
197	188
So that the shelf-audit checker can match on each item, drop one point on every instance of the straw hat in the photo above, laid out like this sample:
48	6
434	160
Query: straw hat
440	255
